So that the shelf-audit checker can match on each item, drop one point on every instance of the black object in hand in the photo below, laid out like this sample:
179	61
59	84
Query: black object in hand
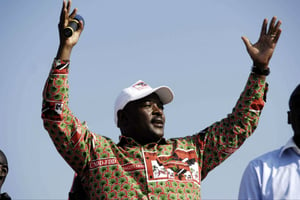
73	26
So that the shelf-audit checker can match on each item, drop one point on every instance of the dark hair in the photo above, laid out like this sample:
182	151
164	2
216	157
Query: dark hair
295	97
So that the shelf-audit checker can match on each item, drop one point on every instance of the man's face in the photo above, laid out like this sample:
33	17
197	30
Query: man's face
146	119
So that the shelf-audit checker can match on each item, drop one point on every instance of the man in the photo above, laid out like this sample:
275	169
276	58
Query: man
3	174
276	174
144	165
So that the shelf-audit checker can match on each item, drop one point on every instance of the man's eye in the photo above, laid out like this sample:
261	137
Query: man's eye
147	104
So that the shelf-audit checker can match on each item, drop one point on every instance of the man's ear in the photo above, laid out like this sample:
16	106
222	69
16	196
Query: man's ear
122	118
289	117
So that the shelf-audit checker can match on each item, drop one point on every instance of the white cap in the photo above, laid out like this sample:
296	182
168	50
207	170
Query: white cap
139	90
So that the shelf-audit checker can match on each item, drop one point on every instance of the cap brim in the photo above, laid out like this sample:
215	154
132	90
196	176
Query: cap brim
164	93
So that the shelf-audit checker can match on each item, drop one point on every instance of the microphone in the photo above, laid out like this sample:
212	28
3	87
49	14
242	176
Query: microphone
73	26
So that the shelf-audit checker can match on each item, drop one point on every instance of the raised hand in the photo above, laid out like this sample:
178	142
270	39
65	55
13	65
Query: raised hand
67	43
262	51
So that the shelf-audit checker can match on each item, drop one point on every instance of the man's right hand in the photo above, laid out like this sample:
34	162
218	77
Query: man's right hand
67	43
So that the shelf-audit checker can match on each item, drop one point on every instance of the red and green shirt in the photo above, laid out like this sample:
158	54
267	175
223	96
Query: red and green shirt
168	169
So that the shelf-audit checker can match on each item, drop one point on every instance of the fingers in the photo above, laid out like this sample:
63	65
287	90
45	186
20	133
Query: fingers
264	27
64	15
69	6
277	25
273	31
73	14
277	31
272	26
68	9
276	38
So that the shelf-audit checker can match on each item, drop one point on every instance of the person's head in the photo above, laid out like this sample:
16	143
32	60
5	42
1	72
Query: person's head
3	168
139	111
294	113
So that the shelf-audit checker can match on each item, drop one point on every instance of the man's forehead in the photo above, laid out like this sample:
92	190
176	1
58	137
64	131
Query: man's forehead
151	97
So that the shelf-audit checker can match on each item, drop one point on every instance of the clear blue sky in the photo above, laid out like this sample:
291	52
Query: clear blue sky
193	46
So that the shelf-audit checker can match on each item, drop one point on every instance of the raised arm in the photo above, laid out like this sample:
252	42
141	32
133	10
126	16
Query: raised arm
224	137
71	137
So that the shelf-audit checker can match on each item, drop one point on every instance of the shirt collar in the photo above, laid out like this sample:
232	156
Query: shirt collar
290	145
128	141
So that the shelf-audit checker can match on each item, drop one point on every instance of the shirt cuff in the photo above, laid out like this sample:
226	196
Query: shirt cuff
60	66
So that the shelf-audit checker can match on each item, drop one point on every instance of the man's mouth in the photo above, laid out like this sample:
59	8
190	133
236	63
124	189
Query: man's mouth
158	122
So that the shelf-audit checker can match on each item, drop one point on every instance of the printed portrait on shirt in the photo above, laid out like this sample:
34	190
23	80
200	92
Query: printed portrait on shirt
181	165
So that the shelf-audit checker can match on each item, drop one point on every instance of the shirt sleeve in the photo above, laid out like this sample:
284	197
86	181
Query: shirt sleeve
250	184
218	141
72	139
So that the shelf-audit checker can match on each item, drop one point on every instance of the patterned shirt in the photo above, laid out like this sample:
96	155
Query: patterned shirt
168	169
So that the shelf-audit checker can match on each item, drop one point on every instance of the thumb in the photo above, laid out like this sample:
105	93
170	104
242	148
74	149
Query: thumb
246	42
